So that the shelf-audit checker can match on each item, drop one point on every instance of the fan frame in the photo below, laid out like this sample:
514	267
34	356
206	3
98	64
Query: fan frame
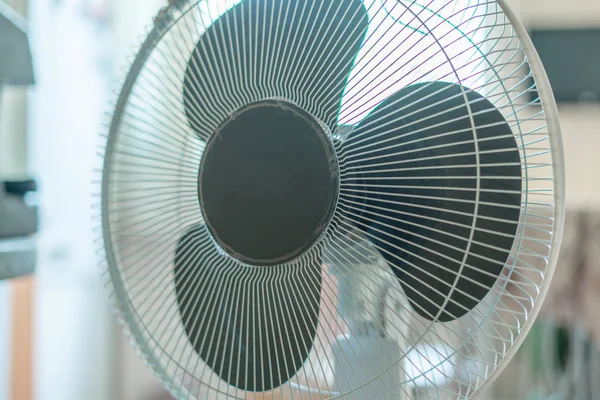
175	10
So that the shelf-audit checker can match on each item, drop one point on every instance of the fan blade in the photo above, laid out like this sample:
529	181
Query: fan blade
258	329
442	207
300	50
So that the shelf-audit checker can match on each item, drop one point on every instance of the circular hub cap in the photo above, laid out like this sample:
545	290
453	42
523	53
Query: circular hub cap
268	183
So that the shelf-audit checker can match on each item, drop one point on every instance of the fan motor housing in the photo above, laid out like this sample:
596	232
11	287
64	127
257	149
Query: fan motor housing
269	182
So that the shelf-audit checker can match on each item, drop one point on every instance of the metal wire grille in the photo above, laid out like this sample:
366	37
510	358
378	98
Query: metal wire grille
150	199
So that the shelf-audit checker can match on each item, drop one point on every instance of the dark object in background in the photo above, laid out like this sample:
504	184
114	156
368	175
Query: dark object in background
17	218
20	188
572	60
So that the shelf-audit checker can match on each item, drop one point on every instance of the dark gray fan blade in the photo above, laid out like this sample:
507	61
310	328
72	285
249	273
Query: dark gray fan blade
254	348
417	181
299	50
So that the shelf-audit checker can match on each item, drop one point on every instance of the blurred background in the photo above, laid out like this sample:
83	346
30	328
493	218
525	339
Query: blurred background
58	338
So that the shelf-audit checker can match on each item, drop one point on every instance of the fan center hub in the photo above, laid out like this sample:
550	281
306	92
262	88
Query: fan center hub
269	182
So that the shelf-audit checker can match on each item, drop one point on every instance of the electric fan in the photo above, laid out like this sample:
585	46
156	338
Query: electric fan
309	199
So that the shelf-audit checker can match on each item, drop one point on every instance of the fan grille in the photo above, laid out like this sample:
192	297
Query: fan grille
339	62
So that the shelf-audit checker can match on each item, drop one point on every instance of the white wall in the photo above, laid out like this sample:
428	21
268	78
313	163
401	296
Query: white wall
72	315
